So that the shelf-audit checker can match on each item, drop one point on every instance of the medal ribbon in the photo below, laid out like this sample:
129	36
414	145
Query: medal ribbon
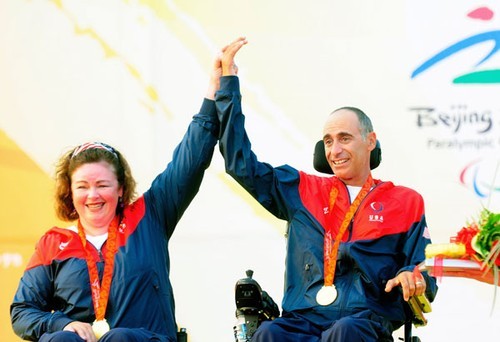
330	250
100	291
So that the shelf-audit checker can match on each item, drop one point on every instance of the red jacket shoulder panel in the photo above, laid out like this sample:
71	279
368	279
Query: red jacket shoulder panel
57	243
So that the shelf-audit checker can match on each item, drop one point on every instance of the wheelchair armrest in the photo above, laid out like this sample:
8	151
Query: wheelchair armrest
419	305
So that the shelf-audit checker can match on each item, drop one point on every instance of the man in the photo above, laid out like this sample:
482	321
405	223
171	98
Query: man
352	239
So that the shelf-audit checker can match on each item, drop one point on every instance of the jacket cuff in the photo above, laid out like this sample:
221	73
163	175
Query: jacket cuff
208	108
207	116
228	84
58	322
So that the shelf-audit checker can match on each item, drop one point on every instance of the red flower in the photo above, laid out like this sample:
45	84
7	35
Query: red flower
464	236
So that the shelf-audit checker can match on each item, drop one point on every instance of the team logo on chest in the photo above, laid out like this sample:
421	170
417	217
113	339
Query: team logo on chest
377	216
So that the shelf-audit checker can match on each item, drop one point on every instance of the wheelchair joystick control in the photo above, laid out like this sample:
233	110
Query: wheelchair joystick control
248	299
252	307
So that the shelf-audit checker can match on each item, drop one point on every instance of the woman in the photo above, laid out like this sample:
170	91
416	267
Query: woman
107	276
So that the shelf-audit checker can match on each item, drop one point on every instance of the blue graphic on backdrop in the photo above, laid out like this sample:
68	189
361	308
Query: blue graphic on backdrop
477	76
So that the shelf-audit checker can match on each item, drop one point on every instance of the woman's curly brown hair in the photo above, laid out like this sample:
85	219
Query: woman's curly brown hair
69	162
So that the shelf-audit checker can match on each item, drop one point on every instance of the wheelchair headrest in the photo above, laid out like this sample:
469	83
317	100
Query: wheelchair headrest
321	164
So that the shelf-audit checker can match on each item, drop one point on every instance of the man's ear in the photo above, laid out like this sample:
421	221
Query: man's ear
372	140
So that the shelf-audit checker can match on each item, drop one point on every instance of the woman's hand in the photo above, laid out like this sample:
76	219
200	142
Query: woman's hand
84	330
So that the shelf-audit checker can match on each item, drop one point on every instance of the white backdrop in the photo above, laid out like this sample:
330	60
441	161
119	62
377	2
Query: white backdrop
132	73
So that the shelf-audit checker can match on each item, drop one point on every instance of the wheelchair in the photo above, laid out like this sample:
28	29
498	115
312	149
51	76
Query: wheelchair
253	306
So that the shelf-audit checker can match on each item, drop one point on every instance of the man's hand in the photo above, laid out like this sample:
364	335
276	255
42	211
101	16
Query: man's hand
412	283
227	58
84	330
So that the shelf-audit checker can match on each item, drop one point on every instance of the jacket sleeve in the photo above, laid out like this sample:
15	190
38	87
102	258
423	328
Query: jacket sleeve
173	190
271	187
31	315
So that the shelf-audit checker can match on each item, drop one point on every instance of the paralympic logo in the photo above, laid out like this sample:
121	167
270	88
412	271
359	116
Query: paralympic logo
477	76
473	176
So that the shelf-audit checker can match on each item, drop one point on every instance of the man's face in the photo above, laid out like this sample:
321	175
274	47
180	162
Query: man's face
347	153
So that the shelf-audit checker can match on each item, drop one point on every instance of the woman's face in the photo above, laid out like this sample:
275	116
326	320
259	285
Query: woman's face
95	192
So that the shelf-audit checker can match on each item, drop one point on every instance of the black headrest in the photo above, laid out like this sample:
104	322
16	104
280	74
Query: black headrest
321	164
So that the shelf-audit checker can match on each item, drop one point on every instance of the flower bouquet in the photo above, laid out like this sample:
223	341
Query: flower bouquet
473	253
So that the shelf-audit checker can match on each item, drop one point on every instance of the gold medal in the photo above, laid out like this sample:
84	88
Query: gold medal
100	328
326	295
